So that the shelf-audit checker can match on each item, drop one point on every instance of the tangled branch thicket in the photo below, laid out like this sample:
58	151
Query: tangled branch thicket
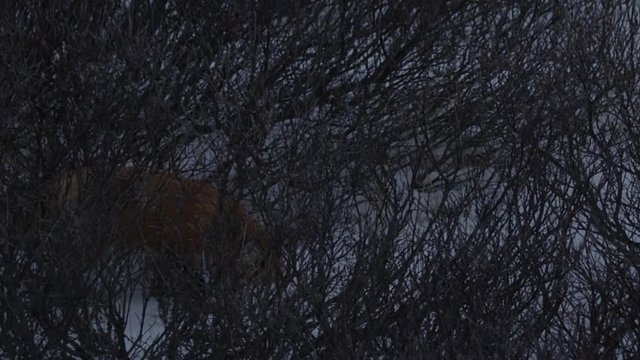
444	179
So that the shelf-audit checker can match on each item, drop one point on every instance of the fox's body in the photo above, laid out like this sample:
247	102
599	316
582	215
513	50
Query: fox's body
176	220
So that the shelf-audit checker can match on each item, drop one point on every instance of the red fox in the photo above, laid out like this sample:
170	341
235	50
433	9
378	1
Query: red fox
181	220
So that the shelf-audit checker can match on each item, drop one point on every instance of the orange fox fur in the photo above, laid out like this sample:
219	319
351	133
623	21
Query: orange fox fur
174	217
